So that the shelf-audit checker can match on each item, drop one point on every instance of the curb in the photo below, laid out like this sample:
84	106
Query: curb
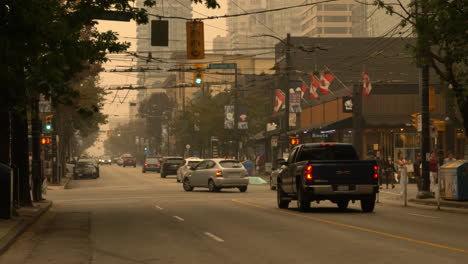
7	241
442	203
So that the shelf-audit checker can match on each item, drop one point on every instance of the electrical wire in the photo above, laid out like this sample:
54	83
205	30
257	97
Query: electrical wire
243	14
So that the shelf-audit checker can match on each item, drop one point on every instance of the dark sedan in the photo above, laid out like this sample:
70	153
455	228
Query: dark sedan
151	164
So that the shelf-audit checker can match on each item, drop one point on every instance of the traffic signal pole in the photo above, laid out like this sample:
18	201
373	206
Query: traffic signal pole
36	152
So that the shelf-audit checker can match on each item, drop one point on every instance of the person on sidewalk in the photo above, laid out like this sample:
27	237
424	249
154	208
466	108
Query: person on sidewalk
433	170
450	158
402	171
417	170
389	166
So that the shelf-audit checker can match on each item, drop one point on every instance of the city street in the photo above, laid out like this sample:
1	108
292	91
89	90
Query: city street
126	216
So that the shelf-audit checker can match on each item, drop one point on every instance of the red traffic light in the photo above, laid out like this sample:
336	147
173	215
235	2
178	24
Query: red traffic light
45	140
295	141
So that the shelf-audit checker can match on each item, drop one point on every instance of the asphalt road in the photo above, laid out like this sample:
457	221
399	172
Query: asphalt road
126	216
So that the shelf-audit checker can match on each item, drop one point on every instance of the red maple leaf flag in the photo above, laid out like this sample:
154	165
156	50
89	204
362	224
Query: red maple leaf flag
314	86
366	84
279	100
303	89
326	78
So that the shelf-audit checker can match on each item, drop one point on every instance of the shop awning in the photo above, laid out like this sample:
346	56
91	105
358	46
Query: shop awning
338	124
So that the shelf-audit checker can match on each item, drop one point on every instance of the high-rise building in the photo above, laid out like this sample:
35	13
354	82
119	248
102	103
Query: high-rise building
221	44
332	19
379	23
177	42
243	31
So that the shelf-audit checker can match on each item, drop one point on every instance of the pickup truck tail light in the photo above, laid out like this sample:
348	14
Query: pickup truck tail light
308	172
376	172
219	174
146	164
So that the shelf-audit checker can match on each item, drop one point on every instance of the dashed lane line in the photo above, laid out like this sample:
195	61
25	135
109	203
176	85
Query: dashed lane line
216	238
158	207
178	218
355	227
427	216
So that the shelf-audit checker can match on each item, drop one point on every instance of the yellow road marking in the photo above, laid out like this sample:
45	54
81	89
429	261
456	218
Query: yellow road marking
357	228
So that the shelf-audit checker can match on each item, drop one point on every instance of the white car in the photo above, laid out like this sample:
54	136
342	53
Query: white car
216	174
188	163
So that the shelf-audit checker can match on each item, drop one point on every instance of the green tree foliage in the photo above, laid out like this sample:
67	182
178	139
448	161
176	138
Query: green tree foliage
441	28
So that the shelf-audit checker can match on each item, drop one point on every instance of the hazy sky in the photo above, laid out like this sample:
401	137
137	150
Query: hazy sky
127	32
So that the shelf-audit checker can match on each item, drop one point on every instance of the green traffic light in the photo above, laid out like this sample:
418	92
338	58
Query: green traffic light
198	81
48	127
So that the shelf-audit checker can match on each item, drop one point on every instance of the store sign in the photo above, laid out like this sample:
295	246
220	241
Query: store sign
292	119
347	104
319	135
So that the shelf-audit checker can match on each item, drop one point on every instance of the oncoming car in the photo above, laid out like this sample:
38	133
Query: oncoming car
85	168
217	174
189	162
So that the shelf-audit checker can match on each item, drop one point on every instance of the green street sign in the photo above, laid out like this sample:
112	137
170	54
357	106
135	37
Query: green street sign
222	66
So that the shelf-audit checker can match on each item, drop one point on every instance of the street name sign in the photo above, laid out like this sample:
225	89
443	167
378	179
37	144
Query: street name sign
222	66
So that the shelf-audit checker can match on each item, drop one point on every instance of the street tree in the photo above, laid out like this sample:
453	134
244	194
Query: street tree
440	28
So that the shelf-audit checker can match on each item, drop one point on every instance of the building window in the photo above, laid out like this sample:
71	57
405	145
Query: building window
335	7
335	19
319	19
336	30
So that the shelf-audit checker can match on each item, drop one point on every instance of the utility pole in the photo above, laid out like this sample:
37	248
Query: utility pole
236	114
287	54
36	127
422	46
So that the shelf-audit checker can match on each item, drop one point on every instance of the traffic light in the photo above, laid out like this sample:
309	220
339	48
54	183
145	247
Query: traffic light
45	140
195	40
416	121
294	141
48	122
146	148
118	133
198	74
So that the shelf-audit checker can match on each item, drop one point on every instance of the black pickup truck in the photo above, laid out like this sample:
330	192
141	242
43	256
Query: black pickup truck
327	171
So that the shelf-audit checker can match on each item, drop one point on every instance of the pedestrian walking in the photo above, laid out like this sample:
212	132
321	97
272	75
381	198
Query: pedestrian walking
389	172
433	170
450	158
417	170
402	170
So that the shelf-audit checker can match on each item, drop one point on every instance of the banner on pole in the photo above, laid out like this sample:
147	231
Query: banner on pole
228	117
242	118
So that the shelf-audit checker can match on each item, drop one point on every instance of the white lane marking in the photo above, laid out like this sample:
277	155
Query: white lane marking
428	216
178	218
214	237
158	207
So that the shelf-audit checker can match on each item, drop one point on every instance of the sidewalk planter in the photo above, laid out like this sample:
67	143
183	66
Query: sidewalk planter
454	181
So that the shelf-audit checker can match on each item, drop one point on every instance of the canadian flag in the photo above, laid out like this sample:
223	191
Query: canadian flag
279	101
313	88
326	78
366	84
303	89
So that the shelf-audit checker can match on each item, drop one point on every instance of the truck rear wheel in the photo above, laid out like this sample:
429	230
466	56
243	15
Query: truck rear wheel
342	204
282	203
303	204
368	204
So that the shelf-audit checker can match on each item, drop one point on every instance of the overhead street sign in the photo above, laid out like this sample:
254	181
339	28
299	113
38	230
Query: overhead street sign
115	16
222	66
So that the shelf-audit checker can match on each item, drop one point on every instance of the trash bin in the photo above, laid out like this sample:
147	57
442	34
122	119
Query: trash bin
454	181
6	192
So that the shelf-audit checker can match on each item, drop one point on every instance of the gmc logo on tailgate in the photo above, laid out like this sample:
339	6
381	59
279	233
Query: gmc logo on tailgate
343	172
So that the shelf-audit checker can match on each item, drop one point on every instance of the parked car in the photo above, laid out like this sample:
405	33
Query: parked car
217	174
85	168
151	164
170	165
105	160
327	171
128	160
188	163
120	161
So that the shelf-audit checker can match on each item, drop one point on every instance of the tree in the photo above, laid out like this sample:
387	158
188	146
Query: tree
440	27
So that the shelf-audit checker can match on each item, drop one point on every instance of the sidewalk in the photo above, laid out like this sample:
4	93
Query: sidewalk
395	194
12	228
64	181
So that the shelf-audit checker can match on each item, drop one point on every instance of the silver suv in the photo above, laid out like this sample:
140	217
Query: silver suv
216	174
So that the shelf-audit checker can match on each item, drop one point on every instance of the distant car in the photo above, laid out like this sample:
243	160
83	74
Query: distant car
85	168
188	163
216	174
119	161
170	165
274	174
128	160
151	164
115	159
105	160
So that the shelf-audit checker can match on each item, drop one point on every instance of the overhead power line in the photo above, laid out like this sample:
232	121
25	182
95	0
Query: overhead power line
243	14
